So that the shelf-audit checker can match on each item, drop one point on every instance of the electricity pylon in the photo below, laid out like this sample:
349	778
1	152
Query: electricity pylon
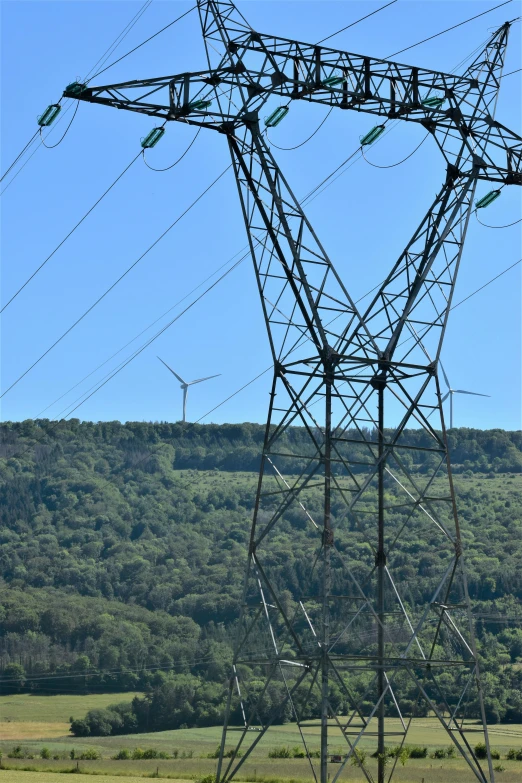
364	648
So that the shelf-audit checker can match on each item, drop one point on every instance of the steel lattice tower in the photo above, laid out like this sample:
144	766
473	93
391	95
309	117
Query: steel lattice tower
355	641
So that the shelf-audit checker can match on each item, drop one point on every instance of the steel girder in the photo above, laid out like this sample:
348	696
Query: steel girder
360	646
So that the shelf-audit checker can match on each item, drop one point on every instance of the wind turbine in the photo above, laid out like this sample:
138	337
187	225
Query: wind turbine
185	385
451	392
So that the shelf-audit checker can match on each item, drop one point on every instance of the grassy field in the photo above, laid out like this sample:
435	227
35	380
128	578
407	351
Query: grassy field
24	717
37	721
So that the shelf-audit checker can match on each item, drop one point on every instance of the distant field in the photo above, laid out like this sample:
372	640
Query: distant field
24	716
37	721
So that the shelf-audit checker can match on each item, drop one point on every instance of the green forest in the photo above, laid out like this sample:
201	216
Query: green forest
122	549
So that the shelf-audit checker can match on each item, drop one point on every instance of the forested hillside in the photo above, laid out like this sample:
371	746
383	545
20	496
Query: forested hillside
122	550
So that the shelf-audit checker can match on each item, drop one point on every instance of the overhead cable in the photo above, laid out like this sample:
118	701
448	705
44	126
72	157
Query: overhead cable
107	52
142	43
167	168
392	165
354	23
113	285
486	225
454	27
15	161
52	146
288	149
173	307
71	232
119	39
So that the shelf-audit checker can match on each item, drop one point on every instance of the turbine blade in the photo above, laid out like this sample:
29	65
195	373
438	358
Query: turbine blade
172	371
444	374
446	396
475	394
199	380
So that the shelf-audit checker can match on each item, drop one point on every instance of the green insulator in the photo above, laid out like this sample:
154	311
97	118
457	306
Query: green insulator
488	199
49	115
200	104
435	102
75	88
332	81
275	118
152	138
372	135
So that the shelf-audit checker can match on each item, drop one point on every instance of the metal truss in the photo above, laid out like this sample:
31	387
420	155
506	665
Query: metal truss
355	654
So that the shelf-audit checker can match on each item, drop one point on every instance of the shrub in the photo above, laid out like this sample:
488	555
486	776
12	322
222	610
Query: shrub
283	752
298	752
150	753
211	778
90	755
482	753
80	728
514	755
358	758
416	752
122	755
438	753
137	754
451	753
45	753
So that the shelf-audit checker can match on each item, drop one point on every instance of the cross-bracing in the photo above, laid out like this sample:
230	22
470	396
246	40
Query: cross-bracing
362	648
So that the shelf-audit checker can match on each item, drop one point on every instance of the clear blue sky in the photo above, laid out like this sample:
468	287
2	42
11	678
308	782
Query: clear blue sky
364	219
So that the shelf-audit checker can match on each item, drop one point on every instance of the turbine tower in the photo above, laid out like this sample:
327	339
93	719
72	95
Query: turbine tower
185	385
451	392
364	647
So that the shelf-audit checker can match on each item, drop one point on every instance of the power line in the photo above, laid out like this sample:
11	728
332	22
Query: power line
288	149
120	38
126	30
486	284
354	23
71	232
143	43
6	172
172	165
120	278
140	334
471	18
52	146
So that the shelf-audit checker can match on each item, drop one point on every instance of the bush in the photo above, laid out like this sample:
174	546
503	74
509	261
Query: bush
45	753
280	753
207	779
514	755
122	755
80	728
416	752
438	753
482	753
90	755
359	758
